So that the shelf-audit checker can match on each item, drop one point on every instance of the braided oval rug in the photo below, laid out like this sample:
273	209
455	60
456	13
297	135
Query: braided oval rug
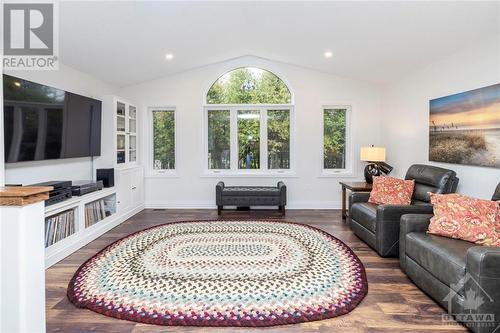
222	273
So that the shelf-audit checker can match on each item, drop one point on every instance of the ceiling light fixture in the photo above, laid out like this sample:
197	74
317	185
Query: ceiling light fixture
169	56
328	54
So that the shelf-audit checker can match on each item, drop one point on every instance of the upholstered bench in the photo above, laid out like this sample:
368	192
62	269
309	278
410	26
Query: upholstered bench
246	196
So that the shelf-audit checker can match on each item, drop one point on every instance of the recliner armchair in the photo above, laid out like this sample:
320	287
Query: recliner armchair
453	270
378	225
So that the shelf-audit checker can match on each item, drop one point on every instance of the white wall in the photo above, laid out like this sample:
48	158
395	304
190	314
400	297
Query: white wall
74	81
312	89
2	159
406	111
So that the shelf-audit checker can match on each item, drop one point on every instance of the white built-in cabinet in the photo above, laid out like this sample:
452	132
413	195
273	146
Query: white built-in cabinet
120	149
119	134
130	188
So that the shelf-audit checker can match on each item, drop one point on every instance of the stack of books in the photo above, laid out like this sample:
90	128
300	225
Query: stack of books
59	226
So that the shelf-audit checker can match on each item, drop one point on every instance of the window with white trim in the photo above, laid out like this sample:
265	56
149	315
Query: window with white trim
248	119
335	133
164	141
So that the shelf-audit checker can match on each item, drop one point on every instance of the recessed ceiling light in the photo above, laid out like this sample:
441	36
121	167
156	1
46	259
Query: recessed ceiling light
17	84
169	56
328	54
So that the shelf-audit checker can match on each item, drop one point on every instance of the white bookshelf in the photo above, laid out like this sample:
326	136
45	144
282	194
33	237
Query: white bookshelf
82	234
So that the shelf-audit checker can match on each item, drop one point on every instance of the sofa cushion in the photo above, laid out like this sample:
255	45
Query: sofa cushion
365	213
390	190
251	191
467	218
442	257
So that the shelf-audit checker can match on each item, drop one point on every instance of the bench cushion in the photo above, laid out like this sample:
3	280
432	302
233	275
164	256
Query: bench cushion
245	201
261	191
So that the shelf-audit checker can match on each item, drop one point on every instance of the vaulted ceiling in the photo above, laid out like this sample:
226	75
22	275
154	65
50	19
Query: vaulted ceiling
125	42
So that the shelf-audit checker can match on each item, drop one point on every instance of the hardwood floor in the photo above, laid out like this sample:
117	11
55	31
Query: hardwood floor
393	303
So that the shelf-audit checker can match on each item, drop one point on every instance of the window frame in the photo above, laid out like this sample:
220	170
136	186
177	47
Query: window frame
152	172
348	171
234	171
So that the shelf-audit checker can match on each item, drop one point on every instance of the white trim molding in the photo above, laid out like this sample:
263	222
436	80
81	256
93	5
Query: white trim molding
164	204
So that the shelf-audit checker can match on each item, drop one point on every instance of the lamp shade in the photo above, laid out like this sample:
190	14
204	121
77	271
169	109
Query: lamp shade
372	154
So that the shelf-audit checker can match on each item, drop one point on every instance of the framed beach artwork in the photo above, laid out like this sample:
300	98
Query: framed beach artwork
464	128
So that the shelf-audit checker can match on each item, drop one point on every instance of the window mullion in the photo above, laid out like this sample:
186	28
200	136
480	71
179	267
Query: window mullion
263	139
234	139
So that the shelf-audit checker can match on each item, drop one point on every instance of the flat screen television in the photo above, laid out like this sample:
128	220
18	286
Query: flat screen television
42	122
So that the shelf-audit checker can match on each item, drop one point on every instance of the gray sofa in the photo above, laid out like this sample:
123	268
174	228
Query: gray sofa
447	269
378	225
246	196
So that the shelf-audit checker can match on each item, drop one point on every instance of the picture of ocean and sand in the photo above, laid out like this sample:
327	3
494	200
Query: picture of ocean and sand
465	128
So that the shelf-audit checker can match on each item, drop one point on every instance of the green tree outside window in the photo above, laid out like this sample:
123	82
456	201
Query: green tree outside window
265	88
334	136
164	139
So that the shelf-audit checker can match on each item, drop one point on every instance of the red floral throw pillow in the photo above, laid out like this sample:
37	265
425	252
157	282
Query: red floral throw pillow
392	191
466	218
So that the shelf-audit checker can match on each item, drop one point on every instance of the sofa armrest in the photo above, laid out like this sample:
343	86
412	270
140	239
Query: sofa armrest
218	193
410	223
282	188
482	264
483	261
414	223
387	226
358	197
394	212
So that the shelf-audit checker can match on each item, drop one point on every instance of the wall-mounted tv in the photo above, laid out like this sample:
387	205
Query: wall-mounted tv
42	122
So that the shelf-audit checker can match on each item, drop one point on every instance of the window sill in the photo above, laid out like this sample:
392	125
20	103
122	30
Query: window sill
337	174
262	174
127	166
166	174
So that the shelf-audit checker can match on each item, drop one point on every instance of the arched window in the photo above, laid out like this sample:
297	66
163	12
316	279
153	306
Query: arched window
249	85
249	119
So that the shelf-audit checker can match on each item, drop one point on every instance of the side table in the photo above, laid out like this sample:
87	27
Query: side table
353	187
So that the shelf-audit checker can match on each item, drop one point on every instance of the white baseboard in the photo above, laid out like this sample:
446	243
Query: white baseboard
159	204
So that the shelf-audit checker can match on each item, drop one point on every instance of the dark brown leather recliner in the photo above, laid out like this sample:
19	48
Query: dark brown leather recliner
378	225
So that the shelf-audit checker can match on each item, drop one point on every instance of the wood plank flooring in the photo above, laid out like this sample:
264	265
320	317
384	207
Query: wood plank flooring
393	303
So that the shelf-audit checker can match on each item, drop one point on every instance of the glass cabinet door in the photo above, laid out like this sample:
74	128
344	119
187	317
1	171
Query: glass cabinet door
120	148
120	133
120	117
126	133
132	150
132	119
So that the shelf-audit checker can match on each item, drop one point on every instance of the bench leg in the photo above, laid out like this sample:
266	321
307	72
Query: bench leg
219	210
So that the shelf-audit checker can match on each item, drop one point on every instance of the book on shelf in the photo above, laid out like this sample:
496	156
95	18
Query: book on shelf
98	210
59	226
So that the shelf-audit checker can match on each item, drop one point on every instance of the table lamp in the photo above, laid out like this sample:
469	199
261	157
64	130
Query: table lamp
375	156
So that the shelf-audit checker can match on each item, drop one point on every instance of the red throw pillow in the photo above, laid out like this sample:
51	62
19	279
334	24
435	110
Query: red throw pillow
392	191
466	218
